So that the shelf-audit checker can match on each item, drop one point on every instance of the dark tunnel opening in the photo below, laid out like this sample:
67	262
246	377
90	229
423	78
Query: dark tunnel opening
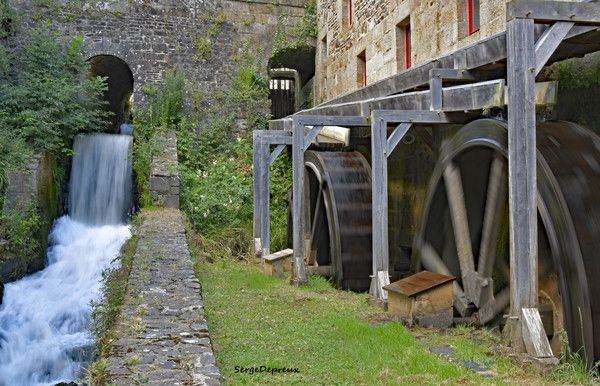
120	87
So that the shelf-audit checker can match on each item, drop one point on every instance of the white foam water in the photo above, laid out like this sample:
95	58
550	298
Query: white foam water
45	318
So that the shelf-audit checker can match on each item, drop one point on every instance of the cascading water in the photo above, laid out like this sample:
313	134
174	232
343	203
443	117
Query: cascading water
45	318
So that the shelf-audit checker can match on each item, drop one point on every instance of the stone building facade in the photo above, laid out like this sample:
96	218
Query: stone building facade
201	37
363	41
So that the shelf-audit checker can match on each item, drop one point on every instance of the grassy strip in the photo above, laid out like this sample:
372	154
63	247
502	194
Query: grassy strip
257	320
335	337
106	312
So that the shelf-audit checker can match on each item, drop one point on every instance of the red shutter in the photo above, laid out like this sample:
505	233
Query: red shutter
407	48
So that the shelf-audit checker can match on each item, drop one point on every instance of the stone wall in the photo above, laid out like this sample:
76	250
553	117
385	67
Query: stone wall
34	188
437	27
164	174
152	36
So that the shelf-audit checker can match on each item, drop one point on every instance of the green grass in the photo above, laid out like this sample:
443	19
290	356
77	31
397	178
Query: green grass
257	320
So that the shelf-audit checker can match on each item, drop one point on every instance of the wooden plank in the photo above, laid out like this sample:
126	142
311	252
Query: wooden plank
396	137
549	11
534	336
256	167
276	152
522	166
380	205
279	255
548	42
297	202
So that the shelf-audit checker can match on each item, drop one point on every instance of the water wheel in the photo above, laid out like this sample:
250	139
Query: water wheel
339	216
465	228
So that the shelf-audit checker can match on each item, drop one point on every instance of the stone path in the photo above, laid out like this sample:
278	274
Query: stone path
162	332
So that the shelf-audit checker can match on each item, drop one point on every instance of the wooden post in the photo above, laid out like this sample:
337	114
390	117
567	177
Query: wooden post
265	229
380	203
297	199
256	151
522	183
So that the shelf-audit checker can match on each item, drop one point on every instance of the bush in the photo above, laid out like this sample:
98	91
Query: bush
53	97
216	167
163	112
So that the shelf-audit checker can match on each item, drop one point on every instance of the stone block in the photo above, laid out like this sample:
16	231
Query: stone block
159	184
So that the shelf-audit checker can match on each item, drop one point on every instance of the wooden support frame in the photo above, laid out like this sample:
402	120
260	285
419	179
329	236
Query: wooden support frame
263	158
387	102
381	149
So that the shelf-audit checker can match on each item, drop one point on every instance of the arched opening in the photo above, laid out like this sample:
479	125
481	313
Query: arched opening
291	72
120	86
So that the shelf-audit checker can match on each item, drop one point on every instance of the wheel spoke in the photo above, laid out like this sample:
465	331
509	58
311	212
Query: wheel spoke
460	225
496	197
316	225
494	306
432	262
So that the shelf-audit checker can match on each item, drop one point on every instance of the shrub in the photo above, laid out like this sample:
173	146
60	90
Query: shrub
53	97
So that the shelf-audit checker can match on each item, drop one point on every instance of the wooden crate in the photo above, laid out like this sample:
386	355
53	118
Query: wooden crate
278	263
425	298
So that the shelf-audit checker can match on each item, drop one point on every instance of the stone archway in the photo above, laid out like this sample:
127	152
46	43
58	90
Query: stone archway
120	85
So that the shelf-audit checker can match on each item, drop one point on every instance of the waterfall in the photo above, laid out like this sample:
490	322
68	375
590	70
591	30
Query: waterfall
100	187
45	318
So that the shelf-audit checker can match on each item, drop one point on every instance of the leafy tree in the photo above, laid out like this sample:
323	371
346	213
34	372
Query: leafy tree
53	97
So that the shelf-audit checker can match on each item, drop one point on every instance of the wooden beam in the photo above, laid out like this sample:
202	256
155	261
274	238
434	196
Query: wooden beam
522	174
298	219
276	137
380	205
312	135
437	75
409	116
328	120
549	11
276	152
396	136
548	42
256	151
264	201
476	96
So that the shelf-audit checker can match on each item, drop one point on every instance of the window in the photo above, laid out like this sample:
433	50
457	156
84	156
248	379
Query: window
403	46
473	16
347	12
361	69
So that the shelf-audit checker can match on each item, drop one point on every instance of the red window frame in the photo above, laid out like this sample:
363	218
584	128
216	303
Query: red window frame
407	47
349	12
471	16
